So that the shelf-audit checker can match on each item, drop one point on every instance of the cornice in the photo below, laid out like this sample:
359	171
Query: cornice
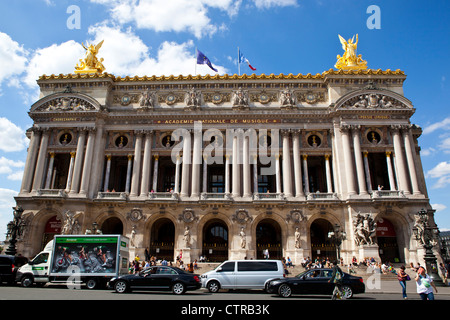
225	77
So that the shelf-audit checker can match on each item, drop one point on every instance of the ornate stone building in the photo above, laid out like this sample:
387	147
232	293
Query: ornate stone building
227	166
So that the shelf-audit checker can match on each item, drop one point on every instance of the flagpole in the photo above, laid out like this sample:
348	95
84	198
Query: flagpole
239	63
195	68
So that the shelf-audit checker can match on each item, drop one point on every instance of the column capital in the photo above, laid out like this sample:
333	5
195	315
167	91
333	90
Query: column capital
52	154
388	153
129	156
72	154
345	128
327	156
285	132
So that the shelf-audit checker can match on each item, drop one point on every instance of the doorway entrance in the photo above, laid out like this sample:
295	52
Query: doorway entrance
215	241
268	237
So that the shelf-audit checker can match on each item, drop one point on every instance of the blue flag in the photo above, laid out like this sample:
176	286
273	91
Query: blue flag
202	59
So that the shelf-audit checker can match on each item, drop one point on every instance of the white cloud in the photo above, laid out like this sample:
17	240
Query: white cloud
7	165
441	171
13	58
439	207
168	16
444	124
55	59
125	54
12	138
274	3
7	202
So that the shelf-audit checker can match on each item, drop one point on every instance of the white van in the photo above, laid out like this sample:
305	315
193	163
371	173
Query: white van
242	274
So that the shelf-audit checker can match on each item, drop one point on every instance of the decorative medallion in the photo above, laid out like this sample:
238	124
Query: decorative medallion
125	100
296	216
217	98
241	216
171	99
135	215
263	98
187	216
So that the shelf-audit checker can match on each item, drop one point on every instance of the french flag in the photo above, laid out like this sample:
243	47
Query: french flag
244	59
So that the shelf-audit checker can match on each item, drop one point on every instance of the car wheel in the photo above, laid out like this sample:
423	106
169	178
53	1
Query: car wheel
121	286
92	284
213	286
178	288
284	291
347	292
26	281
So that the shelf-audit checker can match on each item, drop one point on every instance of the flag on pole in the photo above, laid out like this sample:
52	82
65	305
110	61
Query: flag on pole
244	59
202	59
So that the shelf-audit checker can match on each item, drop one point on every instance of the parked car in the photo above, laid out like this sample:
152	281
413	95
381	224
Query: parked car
243	274
9	266
157	278
315	281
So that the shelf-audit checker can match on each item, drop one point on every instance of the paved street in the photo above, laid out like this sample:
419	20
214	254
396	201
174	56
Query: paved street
385	290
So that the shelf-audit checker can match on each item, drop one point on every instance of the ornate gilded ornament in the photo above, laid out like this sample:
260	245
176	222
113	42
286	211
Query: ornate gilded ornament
350	61
91	64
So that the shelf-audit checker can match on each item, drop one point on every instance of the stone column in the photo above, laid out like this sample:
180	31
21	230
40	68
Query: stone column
367	171
155	173
227	174
39	172
107	173
236	192
287	175
78	163
328	174
255	173
278	173
96	183
205	174
50	170
176	188
400	160
31	160
146	166
359	161
136	165
407	138
390	171
297	164
86	176
351	188
196	163
186	165
130	164
246	168
305	173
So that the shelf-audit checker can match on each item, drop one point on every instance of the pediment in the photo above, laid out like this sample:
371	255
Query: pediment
373	99
66	102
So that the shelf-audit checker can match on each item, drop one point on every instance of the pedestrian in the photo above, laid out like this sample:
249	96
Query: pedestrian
402	277
147	254
425	285
336	278
444	272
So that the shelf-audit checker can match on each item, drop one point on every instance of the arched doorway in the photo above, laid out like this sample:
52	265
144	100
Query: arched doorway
215	241
387	241
268	237
162	239
321	246
52	228
112	225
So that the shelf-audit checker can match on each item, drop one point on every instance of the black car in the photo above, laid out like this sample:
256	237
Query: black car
9	266
157	278
315	281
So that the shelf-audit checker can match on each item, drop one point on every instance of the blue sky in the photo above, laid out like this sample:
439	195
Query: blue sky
159	37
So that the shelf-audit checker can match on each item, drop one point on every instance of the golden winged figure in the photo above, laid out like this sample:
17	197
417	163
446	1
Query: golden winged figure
350	61
91	64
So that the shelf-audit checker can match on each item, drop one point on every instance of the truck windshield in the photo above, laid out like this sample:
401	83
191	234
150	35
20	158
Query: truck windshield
41	258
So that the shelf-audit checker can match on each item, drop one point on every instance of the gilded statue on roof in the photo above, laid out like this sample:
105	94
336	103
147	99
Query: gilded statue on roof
350	61
91	64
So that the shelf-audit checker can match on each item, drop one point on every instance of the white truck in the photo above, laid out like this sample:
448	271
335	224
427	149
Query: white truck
76	259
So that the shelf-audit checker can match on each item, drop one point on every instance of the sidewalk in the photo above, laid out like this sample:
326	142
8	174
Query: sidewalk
393	286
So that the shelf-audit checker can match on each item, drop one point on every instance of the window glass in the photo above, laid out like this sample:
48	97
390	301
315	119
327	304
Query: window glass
42	258
228	266
327	273
165	270
257	266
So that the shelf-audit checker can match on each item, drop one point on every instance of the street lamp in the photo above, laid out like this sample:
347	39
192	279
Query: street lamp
337	236
426	236
14	230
